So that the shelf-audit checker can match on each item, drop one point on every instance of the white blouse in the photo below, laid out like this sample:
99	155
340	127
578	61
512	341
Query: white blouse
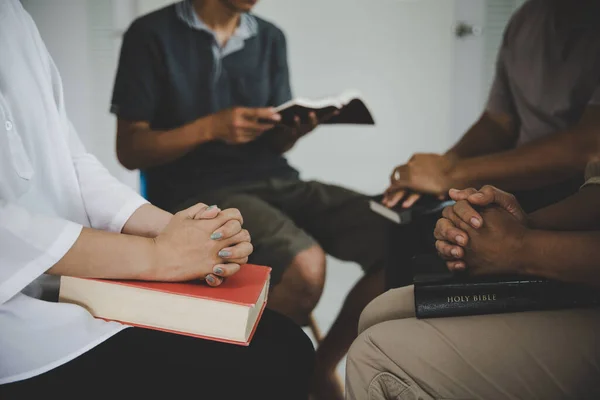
50	188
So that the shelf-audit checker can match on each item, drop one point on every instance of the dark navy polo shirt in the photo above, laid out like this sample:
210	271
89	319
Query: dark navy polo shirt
169	74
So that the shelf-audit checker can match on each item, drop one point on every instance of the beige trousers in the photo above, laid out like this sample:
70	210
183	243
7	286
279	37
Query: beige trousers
531	355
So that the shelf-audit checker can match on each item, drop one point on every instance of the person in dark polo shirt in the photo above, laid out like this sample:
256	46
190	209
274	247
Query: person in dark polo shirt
193	94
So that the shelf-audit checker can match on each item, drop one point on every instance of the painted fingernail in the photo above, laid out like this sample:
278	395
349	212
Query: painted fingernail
211	207
219	271
455	253
460	240
216	236
475	222
224	253
210	279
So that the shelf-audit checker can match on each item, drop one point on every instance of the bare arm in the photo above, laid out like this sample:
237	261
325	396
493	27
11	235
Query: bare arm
432	173
103	254
184	250
576	213
541	162
138	146
490	134
564	256
148	221
502	244
579	212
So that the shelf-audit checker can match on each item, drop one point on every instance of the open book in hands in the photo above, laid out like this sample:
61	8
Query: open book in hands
350	106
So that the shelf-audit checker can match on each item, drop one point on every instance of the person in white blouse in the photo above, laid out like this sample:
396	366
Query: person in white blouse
62	213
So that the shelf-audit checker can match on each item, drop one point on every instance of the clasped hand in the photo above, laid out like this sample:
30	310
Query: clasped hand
201	242
483	232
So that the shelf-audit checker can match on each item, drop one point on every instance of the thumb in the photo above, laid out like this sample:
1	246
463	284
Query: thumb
262	113
458	195
492	195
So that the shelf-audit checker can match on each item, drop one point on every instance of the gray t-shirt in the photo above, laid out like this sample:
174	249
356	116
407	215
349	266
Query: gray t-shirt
548	68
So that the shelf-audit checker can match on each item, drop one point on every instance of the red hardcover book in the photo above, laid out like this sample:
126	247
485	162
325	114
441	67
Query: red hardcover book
228	313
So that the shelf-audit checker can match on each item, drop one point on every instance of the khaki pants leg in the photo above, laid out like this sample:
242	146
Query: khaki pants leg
531	355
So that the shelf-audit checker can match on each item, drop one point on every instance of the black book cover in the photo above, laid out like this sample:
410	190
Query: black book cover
439	293
350	106
426	205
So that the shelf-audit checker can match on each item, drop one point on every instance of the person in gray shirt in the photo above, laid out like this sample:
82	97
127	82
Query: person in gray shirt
547	355
540	127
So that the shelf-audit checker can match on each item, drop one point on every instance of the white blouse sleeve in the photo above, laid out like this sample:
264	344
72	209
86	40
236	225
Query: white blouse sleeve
108	202
30	244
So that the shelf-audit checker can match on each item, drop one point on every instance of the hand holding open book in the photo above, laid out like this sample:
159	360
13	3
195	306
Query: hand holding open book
300	116
346	108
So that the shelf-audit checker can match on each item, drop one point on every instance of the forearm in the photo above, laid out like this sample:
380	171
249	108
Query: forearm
100	254
536	164
579	212
140	147
147	221
487	135
564	256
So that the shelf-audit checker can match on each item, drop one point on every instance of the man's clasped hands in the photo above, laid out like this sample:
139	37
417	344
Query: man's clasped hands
484	232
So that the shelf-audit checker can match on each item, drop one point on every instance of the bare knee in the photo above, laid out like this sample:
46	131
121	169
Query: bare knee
305	277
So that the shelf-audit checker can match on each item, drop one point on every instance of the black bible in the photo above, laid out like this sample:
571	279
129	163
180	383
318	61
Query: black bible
439	293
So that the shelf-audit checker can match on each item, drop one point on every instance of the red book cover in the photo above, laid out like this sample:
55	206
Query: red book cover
243	288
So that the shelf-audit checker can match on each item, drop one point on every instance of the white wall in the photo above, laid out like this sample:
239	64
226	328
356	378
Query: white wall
397	53
66	37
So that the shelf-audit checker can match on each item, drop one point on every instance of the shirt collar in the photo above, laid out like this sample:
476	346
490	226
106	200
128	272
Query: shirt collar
247	28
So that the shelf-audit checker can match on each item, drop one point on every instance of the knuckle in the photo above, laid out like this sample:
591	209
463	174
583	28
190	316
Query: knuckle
246	234
446	212
445	231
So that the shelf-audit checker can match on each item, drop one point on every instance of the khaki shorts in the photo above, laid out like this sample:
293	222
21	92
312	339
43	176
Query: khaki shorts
285	217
